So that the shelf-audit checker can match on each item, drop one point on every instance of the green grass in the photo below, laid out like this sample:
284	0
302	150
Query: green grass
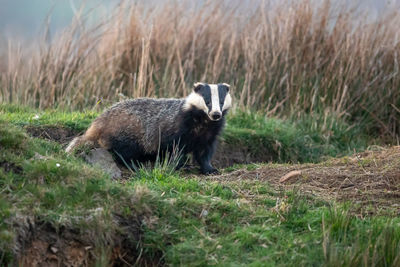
183	220
43	182
305	139
78	121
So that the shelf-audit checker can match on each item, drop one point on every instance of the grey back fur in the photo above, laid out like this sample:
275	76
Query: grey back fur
157	118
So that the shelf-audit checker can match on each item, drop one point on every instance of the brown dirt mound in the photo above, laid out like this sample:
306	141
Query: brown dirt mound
41	244
58	134
227	155
369	180
10	167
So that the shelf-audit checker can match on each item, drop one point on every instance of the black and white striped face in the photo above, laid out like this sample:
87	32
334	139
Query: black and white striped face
213	99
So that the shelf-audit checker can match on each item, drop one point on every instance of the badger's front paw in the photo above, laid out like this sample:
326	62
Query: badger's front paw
209	171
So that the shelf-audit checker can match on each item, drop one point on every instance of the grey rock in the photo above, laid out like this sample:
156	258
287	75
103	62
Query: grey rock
104	160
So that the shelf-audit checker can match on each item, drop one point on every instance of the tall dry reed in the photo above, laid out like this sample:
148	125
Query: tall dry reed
284	59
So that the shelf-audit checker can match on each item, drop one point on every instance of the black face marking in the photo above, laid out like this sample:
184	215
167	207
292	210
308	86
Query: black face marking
198	86
222	92
205	92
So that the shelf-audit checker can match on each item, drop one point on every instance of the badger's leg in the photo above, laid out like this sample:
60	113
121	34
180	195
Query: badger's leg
91	136
74	143
203	157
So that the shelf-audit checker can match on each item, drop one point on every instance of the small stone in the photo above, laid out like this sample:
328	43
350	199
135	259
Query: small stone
54	249
37	156
203	213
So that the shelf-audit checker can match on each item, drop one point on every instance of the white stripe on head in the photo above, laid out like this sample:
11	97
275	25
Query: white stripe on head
227	102
195	100
214	98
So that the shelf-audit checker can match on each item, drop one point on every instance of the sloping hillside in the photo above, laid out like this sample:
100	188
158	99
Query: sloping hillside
56	209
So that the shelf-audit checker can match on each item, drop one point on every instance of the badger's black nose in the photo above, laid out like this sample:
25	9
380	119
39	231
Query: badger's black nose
216	116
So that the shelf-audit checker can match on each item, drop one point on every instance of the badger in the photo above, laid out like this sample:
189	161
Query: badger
139	130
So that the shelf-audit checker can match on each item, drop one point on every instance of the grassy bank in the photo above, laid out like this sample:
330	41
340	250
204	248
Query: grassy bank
308	139
163	217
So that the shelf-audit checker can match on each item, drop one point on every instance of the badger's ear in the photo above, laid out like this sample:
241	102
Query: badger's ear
228	87
197	86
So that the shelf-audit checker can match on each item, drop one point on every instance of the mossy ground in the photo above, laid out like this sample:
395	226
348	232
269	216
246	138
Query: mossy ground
173	218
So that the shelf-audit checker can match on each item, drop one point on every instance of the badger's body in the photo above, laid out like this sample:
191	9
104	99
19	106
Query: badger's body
139	129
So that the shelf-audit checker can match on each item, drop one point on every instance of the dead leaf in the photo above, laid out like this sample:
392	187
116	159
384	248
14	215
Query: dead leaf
290	175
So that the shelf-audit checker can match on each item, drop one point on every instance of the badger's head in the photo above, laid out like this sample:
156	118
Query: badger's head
213	99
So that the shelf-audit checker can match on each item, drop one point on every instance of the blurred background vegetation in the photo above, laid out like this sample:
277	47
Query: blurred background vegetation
283	58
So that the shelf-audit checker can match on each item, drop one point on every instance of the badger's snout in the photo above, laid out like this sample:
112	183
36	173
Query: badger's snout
215	116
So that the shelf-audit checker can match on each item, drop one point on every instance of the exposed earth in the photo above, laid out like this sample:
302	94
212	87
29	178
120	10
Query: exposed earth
370	180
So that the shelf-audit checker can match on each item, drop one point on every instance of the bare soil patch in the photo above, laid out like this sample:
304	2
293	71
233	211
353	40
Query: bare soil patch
58	134
10	167
227	155
369	180
41	244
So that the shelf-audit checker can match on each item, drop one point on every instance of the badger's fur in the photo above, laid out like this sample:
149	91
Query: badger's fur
138	129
